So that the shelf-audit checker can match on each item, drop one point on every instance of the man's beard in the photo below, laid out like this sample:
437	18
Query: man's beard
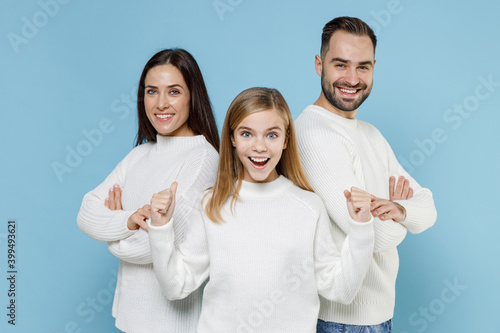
337	101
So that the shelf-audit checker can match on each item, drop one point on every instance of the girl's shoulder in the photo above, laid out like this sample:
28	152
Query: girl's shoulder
308	199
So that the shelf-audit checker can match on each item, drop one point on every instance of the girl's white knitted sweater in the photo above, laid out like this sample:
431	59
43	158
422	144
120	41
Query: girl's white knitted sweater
267	262
338	153
139	305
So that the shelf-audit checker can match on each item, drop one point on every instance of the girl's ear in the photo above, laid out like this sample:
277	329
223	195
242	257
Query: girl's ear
232	141
285	144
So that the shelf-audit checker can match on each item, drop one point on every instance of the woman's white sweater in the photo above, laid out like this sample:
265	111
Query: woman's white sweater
139	305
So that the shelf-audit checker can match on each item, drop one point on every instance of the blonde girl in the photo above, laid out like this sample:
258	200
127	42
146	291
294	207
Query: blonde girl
262	235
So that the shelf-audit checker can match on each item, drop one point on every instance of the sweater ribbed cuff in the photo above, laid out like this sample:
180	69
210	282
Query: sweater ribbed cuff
164	233
361	231
418	218
121	229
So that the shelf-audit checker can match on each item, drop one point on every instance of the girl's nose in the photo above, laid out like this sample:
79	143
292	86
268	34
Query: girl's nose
259	145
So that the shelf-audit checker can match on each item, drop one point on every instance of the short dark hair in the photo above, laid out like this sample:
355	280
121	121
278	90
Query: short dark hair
201	119
350	25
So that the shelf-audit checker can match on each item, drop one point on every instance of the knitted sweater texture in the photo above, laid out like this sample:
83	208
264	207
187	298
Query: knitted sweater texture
338	153
267	261
139	305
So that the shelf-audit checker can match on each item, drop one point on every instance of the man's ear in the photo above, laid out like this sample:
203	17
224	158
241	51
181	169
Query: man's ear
318	63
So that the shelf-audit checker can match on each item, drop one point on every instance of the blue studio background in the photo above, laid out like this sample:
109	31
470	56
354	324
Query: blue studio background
71	68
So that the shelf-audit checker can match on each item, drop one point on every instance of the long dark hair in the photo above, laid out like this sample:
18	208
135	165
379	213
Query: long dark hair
201	118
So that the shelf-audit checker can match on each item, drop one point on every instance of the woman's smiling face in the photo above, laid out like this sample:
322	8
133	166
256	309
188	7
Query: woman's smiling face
167	100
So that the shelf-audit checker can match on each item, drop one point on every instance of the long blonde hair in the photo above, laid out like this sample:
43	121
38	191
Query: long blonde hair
230	171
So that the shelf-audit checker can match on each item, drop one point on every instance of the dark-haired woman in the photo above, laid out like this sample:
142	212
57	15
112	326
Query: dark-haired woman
177	141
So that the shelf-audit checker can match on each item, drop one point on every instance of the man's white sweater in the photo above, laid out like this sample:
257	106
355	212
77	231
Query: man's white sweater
139	305
338	153
267	261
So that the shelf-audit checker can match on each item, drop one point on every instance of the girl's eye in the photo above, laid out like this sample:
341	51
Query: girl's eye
245	134
272	135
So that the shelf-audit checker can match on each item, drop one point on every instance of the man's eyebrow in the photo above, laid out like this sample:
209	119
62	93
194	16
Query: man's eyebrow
340	60
366	62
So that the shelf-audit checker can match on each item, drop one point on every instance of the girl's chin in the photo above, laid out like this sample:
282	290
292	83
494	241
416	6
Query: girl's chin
261	178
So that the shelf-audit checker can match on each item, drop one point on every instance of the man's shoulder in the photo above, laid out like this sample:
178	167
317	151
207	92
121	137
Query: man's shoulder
314	125
314	117
309	114
368	128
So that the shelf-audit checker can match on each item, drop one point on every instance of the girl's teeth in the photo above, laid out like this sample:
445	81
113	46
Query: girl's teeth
258	160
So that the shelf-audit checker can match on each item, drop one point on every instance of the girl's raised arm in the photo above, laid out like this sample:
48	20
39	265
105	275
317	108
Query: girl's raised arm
195	176
339	274
179	270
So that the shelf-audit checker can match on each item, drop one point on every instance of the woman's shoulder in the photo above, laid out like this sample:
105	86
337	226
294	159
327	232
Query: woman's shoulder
202	154
138	151
209	149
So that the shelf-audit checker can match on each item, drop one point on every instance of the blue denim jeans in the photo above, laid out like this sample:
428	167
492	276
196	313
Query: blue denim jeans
328	327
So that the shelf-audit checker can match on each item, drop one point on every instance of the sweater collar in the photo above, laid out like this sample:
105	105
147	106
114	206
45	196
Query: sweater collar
264	190
349	123
169	143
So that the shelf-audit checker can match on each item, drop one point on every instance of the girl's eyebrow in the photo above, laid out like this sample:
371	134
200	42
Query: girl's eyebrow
251	129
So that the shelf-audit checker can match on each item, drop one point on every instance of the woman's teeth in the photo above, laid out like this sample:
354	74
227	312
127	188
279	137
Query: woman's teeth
164	116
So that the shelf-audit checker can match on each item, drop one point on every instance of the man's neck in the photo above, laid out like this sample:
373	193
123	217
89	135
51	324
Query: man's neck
323	102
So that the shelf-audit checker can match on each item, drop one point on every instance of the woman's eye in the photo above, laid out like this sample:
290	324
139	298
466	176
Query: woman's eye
245	134
175	92
151	91
272	135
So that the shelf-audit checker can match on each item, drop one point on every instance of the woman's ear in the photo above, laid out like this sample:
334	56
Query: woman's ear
232	141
